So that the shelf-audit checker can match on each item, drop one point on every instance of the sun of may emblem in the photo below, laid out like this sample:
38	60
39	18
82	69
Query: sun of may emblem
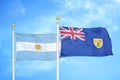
37	47
98	42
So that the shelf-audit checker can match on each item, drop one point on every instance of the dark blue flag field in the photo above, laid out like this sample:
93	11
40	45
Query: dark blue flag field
85	42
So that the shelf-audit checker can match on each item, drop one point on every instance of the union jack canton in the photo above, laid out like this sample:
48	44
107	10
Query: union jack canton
73	33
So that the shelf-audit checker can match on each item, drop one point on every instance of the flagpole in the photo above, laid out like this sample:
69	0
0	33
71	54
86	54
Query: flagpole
57	46
13	54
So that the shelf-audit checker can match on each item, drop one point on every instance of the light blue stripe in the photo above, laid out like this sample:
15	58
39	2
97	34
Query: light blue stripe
37	38
31	55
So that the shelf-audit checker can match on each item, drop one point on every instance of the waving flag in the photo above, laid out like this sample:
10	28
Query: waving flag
35	46
85	42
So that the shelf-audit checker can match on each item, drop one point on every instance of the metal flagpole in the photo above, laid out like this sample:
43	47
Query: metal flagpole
13	54
57	46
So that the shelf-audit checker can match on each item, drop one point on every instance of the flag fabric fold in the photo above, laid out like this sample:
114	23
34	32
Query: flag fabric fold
85	42
35	46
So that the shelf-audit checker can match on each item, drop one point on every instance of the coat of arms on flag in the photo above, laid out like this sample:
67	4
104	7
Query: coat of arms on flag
98	42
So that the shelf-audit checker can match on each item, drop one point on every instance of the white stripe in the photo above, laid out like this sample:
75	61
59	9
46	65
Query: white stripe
29	46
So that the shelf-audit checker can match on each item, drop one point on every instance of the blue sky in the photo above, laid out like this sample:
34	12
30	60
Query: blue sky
38	16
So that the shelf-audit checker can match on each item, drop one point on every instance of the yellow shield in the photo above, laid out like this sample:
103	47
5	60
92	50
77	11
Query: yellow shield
98	42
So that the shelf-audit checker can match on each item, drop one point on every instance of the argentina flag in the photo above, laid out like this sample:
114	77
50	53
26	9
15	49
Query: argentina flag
35	46
85	42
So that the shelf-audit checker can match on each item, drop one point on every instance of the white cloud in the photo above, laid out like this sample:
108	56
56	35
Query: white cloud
117	1
72	4
86	12
78	12
16	7
40	25
31	67
24	68
113	29
88	5
81	13
46	24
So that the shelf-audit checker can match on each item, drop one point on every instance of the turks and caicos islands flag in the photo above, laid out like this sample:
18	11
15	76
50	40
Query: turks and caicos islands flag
85	42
